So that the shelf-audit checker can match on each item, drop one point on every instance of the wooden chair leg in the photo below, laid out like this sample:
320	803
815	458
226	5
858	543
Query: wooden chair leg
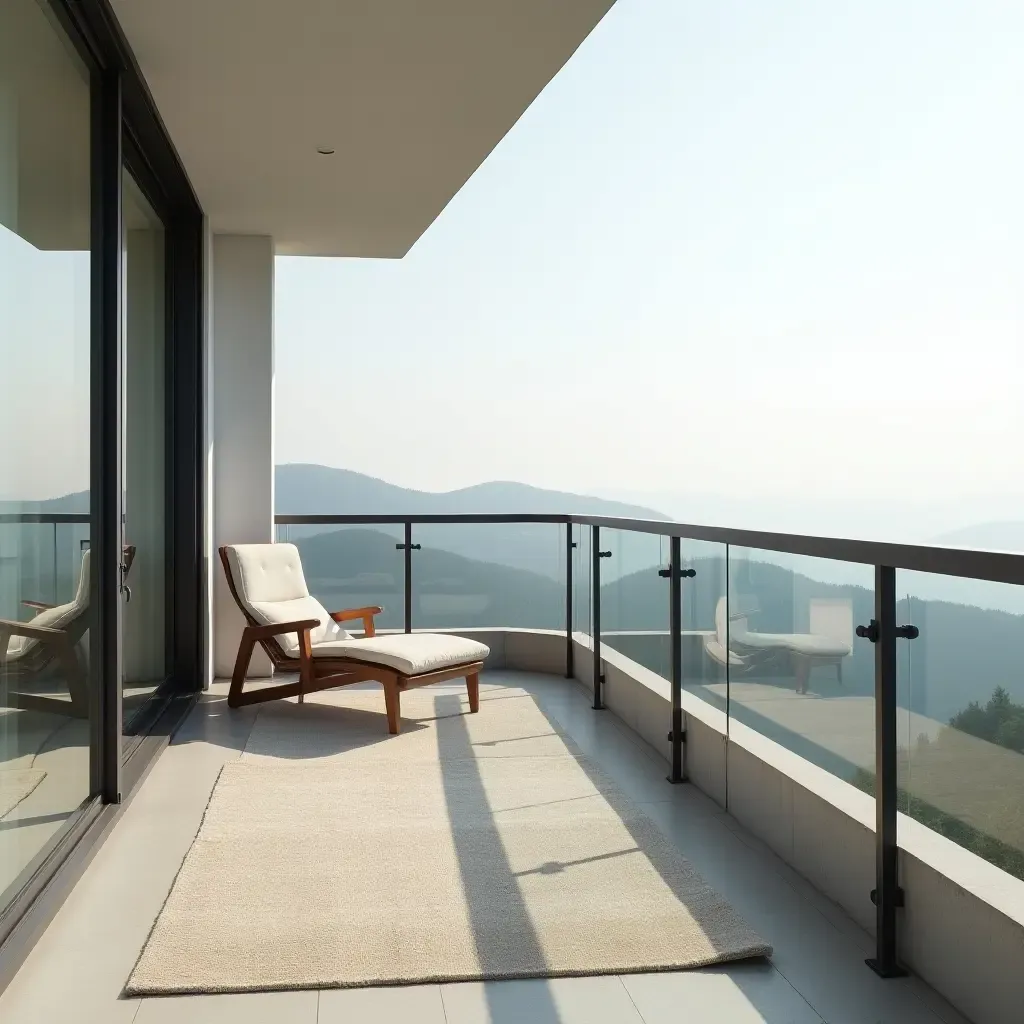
242	660
305	665
392	701
473	690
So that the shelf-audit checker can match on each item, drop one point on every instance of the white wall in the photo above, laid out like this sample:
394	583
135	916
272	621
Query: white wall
242	419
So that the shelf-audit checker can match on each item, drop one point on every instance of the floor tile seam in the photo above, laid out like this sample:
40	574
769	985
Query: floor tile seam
629	996
444	1005
778	970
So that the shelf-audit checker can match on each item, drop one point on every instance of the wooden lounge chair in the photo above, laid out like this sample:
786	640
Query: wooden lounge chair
299	634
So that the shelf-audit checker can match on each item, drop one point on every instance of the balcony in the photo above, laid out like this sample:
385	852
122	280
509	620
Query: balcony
757	697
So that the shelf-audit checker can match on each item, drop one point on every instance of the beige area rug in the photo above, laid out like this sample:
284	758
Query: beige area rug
15	785
468	847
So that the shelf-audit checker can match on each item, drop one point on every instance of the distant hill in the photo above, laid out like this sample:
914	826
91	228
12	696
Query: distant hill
540	548
75	502
309	489
998	536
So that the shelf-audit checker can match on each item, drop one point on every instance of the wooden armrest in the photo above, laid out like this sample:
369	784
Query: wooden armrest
29	631
366	614
348	614
277	628
39	606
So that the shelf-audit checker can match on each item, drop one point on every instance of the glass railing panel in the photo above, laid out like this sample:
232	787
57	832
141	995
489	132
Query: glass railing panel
39	563
704	651
352	567
582	582
635	598
797	672
494	575
960	719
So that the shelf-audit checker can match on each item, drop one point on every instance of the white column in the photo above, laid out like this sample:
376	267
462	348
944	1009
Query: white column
242	420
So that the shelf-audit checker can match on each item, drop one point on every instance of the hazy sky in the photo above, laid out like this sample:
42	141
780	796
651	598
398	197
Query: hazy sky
767	253
746	248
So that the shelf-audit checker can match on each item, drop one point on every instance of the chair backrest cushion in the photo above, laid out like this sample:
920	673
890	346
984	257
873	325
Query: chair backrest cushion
271	586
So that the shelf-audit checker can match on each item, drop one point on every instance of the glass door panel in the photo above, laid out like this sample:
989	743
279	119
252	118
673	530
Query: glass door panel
144	638
44	436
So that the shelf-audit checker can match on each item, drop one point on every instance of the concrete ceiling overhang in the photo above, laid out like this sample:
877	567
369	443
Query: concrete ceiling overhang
411	94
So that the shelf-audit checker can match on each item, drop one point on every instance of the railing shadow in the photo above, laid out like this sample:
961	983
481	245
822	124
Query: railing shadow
510	936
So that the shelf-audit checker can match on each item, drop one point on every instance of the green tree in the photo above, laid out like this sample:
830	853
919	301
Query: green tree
1000	721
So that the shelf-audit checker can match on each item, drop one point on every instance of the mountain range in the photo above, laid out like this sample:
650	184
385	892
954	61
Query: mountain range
537	547
302	488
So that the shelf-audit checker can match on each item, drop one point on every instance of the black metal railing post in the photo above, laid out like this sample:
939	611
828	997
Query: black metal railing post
595	612
674	574
570	667
887	895
675	615
408	547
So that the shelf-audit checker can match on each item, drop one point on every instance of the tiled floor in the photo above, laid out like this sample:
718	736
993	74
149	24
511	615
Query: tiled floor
76	972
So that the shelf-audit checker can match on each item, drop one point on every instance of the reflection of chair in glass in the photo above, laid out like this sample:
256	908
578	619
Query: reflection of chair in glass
29	651
734	644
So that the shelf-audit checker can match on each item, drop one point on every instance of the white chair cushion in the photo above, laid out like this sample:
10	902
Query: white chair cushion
267	572
272	587
408	653
268	612
800	643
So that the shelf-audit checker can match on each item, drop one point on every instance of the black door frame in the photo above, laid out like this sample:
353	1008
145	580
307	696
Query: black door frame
128	132
126	128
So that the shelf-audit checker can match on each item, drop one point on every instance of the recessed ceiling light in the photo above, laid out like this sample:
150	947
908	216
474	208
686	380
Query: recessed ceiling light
325	150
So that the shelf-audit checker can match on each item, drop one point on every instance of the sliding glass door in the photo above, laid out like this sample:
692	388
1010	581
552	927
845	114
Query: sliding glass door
45	308
101	525
144	664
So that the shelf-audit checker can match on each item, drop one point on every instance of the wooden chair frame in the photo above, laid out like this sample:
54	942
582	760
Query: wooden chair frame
328	673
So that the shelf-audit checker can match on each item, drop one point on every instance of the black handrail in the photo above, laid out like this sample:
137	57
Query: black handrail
50	518
997	566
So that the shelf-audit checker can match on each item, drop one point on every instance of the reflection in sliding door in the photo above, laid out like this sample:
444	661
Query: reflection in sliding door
45	609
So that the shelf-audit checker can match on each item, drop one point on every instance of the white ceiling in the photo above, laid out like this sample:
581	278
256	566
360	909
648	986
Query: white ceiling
412	95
